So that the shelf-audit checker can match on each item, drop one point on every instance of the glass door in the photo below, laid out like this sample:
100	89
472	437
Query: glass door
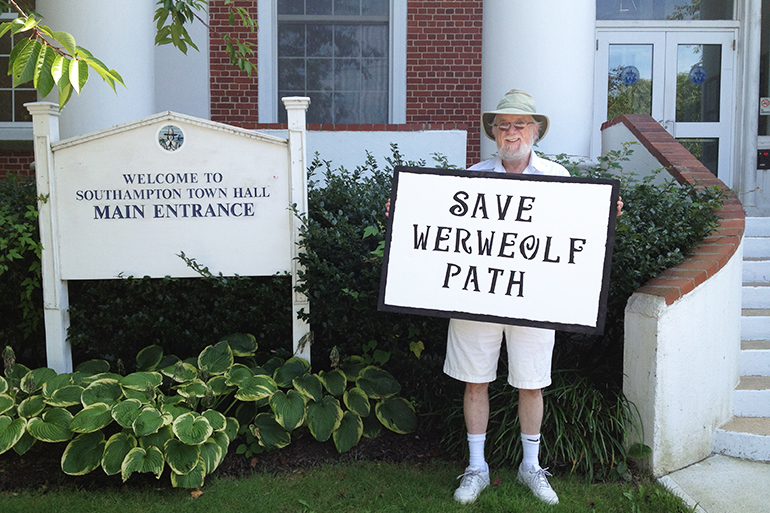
683	79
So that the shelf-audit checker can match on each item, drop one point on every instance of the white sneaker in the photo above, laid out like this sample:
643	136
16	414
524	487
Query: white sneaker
473	481
536	480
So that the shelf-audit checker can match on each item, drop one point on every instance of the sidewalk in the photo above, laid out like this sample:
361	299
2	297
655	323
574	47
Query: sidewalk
721	484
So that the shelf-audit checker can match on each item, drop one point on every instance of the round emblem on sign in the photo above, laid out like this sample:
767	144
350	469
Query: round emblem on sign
698	74
170	138
629	75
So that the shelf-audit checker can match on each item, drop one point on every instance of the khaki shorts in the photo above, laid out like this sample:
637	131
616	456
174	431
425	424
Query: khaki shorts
473	350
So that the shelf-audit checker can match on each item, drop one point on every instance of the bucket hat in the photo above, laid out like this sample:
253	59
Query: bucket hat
515	101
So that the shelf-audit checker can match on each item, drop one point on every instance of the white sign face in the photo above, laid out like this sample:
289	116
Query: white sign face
517	249
131	200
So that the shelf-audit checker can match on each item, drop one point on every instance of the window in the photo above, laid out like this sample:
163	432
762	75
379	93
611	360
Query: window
664	10
15	120
344	54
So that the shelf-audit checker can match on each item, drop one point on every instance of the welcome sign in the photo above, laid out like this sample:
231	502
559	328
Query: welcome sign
529	250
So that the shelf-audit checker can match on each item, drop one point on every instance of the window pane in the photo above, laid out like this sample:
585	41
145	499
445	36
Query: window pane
291	6
6	80
374	40
319	7
347	75
320	75
705	150
698	83
6	106
347	7
375	75
374	107
22	97
291	40
664	9
764	72
630	80
346	41
320	110
291	74
320	40
346	108
375	7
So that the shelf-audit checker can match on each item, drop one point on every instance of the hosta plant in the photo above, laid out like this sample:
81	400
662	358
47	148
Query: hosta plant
177	413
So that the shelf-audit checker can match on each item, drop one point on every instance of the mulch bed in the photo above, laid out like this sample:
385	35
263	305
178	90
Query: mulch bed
40	470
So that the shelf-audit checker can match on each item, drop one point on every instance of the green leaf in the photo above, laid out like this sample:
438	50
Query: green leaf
289	371
25	444
144	460
212	452
639	451
182	458
148	421
6	403
397	414
105	390
64	397
25	60
323	417
218	386
192	428
378	383
65	92
157	439
217	420
83	454
231	429
91	418
149	358
78	74
192	389
242	344
126	412
3	385
349	433
356	400
256	388
335	382
192	479
269	432
52	427
35	379
372	426
288	408
67	41
11	431
142	380
93	367
31	406
216	359
237	374
115	451
43	80
181	371
310	386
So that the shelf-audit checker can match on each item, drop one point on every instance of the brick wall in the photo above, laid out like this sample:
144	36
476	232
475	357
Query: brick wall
16	162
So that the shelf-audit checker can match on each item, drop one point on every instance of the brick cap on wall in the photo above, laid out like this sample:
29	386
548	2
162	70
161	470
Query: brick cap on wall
719	247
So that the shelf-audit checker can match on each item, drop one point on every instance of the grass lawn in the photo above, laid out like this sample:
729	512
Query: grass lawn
358	487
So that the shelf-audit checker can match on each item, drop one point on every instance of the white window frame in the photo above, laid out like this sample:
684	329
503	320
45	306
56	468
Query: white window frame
14	130
267	61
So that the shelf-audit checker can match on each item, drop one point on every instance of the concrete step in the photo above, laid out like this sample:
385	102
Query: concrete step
755	362
746	438
755	325
755	295
752	397
756	270
757	227
756	247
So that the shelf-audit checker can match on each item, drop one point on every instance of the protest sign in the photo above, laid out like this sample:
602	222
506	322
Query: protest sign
529	250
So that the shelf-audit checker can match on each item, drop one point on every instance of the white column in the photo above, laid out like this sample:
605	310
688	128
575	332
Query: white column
45	122
121	34
547	49
296	109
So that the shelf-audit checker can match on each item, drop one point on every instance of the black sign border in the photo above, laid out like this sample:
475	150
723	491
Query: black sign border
598	329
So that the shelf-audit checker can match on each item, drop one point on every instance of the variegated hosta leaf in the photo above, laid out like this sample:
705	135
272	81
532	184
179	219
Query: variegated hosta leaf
158	439
11	432
372	425
216	359
192	429
310	386
149	358
126	412
14	373
84	380
142	380
3	385
66	396
180	372
356	400
31	406
91	418
192	479
25	444
55	383
271	365
378	383
105	390
182	458
256	388
6	403
143	396
212	453
349	433
93	367
175	410
115	451
397	414
334	381
237	374
216	419
192	389
143	460
231	429
242	344
35	379
323	417
52	427
353	368
218	385
288	408
83	454
148	422
293	368
269	433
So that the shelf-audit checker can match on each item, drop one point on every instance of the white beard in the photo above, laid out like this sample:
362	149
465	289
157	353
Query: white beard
507	154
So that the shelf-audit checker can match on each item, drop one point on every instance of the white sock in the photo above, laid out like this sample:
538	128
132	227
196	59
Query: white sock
531	446
476	449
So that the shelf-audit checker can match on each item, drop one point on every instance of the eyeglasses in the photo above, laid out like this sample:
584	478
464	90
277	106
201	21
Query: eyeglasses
520	125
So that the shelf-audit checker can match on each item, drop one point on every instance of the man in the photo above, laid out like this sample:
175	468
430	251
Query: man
473	348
